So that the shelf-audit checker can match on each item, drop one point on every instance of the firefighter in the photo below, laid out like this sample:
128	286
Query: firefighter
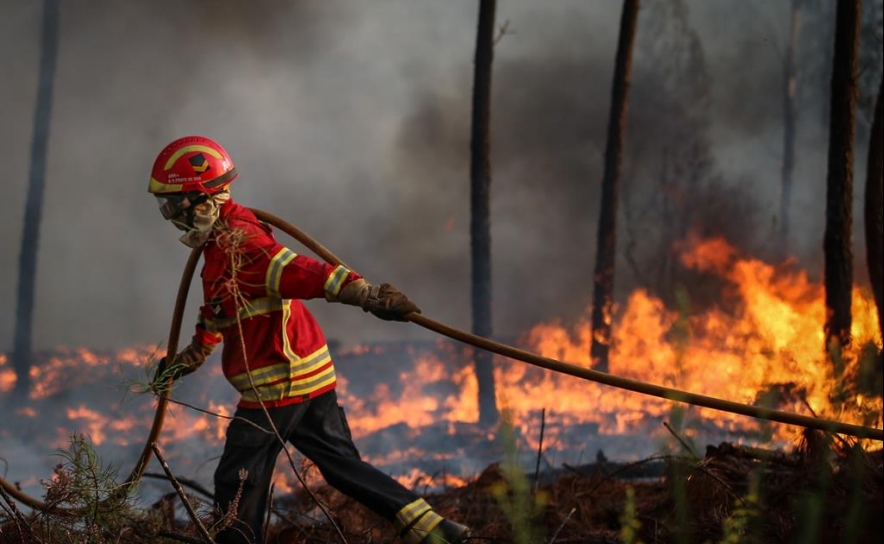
275	353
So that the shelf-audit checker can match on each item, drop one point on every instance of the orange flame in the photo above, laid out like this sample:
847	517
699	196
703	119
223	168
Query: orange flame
769	341
7	375
772	340
763	343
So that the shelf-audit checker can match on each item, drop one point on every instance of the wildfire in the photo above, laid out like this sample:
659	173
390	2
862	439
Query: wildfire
415	406
761	344
770	340
68	368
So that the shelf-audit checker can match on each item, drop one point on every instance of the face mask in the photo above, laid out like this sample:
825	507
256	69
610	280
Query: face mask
199	232
196	219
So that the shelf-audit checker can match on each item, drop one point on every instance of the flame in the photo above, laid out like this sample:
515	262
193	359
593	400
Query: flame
7	375
220	426
762	343
770	338
97	425
413	406
67	368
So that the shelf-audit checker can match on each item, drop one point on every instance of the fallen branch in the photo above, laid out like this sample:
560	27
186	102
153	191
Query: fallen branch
196	486
562	526
17	516
187	506
684	444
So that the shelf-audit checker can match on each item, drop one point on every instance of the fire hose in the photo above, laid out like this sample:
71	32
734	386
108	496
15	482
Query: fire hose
675	395
597	376
163	395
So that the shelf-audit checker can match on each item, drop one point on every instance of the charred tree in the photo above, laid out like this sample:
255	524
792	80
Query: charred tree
874	207
839	183
27	264
480	208
606	246
789	120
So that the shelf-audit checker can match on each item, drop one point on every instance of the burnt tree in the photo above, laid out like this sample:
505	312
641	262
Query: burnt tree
480	207
27	264
874	208
606	245
839	182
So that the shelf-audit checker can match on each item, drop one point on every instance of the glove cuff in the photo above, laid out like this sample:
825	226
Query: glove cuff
355	293
191	358
373	300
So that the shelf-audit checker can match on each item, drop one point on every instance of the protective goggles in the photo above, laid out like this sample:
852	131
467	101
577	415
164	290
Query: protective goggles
172	206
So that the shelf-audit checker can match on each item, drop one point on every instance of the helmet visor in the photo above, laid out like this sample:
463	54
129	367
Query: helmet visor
172	206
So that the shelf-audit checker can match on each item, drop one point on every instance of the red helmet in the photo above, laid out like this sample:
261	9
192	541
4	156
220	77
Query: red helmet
191	164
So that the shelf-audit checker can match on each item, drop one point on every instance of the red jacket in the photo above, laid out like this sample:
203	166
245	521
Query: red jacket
251	286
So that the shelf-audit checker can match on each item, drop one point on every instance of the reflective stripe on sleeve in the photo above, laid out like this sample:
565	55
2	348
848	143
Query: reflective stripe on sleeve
420	530
410	512
336	279
274	270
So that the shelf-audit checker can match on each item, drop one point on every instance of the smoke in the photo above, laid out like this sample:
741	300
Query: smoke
351	120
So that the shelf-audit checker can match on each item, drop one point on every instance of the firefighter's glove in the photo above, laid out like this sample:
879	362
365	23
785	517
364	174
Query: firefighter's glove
388	303
186	362
383	301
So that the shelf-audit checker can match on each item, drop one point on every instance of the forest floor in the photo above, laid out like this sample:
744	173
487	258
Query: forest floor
821	493
825	491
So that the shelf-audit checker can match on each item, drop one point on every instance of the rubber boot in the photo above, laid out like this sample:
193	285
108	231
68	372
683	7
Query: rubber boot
447	532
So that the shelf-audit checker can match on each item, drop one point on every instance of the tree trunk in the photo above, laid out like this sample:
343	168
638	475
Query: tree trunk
839	186
27	267
606	247
874	208
480	216
789	121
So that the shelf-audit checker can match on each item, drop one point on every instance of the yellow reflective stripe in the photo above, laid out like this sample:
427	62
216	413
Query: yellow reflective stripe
283	371
411	512
159	187
209	324
258	306
296	388
188	149
286	341
274	270
422	528
335	279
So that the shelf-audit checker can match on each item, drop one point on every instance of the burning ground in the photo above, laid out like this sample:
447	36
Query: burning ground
413	411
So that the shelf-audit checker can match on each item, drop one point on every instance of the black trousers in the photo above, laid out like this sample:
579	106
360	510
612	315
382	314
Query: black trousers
319	430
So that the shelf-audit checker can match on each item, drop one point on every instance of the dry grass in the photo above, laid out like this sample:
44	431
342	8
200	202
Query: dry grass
822	492
819	493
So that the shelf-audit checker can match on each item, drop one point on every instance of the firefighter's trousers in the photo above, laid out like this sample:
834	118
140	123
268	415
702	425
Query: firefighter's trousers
318	429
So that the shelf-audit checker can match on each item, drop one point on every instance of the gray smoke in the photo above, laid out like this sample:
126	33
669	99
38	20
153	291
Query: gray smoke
351	120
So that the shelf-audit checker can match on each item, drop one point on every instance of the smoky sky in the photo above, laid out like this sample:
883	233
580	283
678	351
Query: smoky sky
351	120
